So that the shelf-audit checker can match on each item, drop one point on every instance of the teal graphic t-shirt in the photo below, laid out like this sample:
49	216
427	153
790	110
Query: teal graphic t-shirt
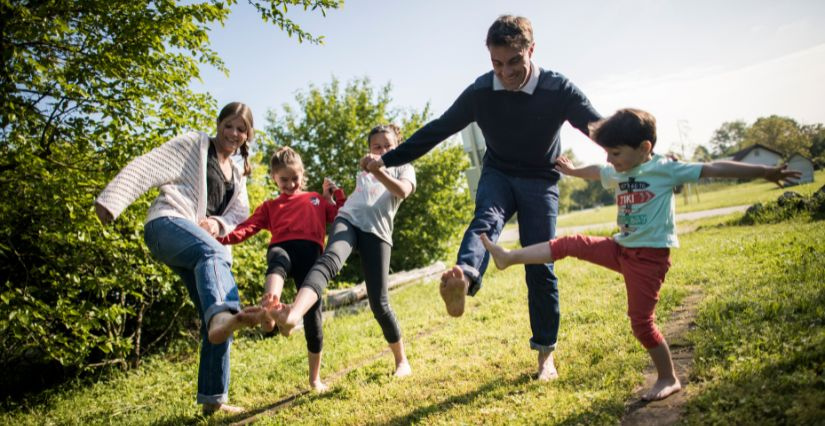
644	196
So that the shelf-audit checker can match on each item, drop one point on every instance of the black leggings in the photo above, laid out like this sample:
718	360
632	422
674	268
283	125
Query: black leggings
375	262
294	258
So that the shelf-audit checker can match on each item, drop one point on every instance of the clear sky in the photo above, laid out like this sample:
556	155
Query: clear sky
693	64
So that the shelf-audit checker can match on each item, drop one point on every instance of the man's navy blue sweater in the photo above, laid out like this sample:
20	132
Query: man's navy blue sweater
521	131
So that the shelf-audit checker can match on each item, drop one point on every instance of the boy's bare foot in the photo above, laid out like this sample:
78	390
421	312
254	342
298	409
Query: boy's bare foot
223	324
318	386
403	369
209	409
500	255
453	290
285	318
662	389
547	369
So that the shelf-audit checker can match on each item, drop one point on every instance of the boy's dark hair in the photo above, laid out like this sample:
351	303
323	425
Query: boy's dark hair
627	126
510	31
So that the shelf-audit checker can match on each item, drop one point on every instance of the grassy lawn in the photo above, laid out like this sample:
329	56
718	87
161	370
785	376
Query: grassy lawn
712	196
760	351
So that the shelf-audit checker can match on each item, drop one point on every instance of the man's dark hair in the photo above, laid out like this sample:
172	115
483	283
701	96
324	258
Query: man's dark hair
510	31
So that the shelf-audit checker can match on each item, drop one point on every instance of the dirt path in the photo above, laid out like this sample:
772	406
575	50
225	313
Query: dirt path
669	410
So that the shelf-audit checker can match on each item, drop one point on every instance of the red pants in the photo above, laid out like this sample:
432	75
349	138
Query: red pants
644	271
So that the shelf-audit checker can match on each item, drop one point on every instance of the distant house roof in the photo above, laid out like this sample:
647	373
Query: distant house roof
796	154
739	155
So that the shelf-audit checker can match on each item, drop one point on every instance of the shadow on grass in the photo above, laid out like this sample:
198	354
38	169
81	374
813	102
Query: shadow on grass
419	415
789	391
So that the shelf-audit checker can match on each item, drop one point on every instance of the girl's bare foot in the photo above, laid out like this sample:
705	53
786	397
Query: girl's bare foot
403	369
268	318
318	386
209	409
223	324
286	318
662	389
500	255
453	290
547	369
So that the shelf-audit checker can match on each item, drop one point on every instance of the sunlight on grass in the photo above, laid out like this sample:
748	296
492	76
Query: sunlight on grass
760	335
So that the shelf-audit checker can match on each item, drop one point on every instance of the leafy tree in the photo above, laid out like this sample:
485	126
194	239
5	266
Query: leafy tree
329	129
85	87
780	133
577	194
701	154
569	185
816	135
728	138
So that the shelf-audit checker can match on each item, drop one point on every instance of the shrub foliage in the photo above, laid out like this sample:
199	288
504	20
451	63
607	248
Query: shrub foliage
329	129
84	88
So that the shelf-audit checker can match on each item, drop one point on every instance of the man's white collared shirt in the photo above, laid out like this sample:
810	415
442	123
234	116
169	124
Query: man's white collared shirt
528	87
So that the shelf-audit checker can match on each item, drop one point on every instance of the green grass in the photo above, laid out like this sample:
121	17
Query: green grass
760	334
712	196
760	338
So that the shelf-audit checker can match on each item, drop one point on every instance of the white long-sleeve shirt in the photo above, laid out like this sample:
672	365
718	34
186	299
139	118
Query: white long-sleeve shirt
178	169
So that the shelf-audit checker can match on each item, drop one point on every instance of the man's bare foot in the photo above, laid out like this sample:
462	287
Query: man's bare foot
318	386
209	409
662	389
403	369
547	369
500	255
223	324
286	319
453	290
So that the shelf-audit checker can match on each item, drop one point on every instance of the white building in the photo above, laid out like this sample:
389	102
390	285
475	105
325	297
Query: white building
757	154
474	146
804	165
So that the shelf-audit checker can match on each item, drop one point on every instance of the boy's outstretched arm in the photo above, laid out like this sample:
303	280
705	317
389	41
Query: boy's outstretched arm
734	169
564	165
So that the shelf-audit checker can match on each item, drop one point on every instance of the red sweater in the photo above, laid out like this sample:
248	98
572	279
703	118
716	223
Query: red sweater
290	217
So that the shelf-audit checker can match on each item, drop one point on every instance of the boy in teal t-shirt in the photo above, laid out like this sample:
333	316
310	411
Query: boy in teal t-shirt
644	196
644	185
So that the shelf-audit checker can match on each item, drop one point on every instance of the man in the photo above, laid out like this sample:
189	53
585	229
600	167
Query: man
520	109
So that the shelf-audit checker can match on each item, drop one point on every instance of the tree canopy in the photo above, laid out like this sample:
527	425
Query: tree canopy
329	129
783	134
85	86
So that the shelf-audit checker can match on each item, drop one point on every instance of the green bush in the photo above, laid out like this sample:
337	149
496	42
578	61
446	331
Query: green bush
788	206
330	129
87	87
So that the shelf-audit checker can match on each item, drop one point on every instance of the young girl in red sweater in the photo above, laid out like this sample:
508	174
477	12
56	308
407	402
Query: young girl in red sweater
297	221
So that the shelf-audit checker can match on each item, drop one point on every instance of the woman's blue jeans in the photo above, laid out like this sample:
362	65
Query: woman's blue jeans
536	201
204	265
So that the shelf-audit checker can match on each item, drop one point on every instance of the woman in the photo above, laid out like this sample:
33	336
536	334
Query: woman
202	196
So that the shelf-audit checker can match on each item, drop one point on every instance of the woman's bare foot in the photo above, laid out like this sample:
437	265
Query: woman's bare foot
500	255
547	369
403	369
286	318
223	324
269	301
453	290
662	389
318	386
209	409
